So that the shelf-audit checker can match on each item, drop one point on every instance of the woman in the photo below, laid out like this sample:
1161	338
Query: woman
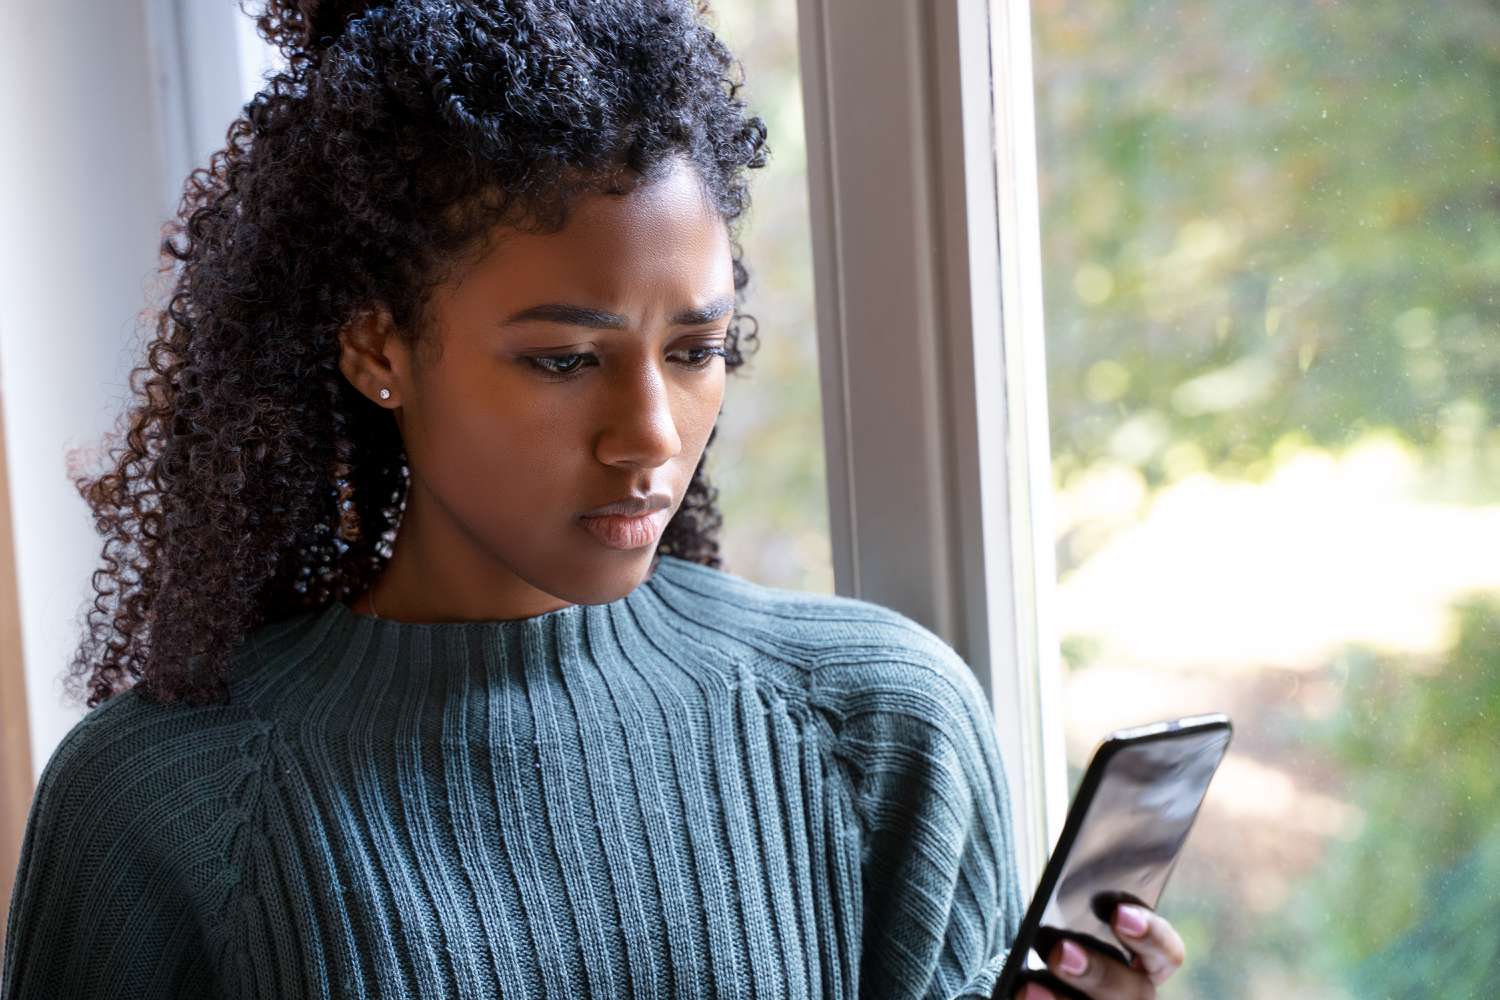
414	673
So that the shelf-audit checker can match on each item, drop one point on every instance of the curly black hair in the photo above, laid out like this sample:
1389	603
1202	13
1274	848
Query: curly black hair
254	481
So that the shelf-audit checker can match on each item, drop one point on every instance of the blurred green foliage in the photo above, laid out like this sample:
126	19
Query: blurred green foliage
1263	220
1273	226
768	457
1416	890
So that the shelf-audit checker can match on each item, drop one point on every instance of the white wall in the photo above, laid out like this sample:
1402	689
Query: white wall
99	132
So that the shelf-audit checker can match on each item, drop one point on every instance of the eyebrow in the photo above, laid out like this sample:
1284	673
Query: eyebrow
599	319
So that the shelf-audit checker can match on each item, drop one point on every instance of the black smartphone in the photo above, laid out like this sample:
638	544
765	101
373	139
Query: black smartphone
1124	830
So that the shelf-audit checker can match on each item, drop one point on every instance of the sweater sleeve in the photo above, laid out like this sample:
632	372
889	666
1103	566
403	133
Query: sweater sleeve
940	896
97	909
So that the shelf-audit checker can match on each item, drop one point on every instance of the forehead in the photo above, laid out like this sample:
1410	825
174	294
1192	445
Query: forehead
662	238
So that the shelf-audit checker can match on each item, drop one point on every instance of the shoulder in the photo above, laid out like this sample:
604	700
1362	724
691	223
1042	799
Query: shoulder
133	734
862	662
135	777
130	762
114	845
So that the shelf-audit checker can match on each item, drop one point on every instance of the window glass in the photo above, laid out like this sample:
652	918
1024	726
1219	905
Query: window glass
768	457
1271	242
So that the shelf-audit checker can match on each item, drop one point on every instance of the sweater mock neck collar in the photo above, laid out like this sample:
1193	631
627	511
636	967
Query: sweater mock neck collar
348	643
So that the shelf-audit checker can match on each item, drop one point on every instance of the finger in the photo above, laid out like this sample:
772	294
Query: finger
1156	943
1098	975
1035	991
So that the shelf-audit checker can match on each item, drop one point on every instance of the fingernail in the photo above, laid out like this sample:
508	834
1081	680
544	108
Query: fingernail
1131	920
1074	962
1036	991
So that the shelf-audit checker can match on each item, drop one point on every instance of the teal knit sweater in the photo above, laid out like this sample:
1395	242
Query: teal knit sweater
707	788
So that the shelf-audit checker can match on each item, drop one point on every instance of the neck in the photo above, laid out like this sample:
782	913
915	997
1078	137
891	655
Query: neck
442	570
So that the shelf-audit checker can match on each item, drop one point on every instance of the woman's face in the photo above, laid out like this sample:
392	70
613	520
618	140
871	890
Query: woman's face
577	368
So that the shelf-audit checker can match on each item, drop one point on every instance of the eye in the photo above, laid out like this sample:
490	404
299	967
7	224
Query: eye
701	356
559	364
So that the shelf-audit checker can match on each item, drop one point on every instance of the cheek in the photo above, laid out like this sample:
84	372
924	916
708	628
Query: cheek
502	446
509	450
697	412
707	398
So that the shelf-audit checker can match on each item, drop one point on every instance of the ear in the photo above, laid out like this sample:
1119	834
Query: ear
372	355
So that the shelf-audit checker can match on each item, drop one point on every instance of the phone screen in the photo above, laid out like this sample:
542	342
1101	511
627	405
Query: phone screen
1128	822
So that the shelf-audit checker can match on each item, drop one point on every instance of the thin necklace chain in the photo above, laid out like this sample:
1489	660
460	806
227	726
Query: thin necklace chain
372	605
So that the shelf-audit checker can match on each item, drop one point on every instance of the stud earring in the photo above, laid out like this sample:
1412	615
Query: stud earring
385	393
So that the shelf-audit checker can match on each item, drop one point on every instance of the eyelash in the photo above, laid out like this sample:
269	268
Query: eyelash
711	353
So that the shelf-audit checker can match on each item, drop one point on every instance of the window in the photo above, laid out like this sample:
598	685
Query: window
1190	313
767	460
1270	241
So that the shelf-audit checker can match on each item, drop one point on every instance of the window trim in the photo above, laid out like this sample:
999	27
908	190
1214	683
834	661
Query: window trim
926	259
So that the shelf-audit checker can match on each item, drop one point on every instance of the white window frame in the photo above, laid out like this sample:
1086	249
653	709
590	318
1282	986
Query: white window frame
922	180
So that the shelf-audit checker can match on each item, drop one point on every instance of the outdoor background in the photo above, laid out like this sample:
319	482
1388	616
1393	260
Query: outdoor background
1271	239
768	457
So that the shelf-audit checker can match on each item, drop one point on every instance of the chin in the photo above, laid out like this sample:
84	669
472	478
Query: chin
608	576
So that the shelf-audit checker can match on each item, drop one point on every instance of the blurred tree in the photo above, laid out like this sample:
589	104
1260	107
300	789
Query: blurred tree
1267	227
1415	893
1264	220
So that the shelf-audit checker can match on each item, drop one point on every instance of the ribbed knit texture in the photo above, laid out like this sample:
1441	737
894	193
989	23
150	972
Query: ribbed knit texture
707	788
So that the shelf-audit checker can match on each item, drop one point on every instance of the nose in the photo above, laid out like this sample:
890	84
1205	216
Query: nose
640	430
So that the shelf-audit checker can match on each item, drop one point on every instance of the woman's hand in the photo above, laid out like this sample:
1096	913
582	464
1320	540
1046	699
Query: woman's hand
1159	952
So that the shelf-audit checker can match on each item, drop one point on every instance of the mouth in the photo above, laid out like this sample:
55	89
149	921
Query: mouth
623	531
632	505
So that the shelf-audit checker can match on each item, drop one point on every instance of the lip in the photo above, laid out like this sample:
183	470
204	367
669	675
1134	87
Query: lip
619	531
633	505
